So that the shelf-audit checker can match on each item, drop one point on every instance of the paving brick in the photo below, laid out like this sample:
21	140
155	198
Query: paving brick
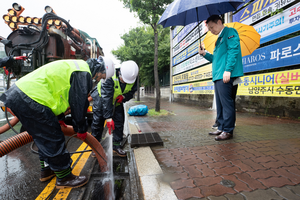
234	157
215	156
262	174
262	195
246	154
219	164
205	158
251	182
214	148
234	197
293	170
175	169
192	171
226	153
216	198
169	163
186	157
187	193
276	182
216	190
292	177
288	161
272	153
190	162
239	185
185	150
286	193
208	181
182	183
253	164
295	189
241	165
264	149
263	159
275	165
200	152
254	152
227	170
205	170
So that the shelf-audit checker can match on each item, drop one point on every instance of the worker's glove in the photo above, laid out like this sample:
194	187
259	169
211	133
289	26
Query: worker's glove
20	57
62	123
120	98
110	125
82	136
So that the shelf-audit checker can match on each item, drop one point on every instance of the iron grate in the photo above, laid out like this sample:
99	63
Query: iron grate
146	139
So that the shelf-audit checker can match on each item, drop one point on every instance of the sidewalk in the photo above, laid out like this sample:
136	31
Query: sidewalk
262	161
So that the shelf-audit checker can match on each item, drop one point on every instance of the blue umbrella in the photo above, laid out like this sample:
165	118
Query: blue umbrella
183	12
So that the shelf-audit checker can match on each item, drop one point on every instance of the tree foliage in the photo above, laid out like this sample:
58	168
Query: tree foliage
139	46
149	12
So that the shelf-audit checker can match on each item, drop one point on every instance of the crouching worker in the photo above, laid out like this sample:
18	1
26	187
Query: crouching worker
40	96
120	88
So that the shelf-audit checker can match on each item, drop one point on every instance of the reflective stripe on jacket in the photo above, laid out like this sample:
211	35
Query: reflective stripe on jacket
49	85
117	88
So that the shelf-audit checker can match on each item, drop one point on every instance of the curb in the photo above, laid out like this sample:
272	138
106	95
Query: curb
149	171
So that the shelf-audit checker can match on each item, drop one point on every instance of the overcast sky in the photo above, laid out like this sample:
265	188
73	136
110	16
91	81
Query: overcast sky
105	20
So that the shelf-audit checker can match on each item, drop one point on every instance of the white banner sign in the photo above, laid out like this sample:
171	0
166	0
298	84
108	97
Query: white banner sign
265	11
191	63
276	24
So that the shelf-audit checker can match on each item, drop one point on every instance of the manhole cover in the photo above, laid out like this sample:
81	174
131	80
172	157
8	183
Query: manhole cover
227	183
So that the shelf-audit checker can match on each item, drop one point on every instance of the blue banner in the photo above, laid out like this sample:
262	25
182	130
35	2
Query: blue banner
251	10
187	53
184	32
246	1
282	54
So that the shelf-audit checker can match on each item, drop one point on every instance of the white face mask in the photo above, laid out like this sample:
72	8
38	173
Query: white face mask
94	80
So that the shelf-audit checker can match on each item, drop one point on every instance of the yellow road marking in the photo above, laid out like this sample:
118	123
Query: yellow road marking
76	171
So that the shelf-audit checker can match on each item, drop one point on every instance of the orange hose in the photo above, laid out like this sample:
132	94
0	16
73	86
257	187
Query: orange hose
6	127
23	138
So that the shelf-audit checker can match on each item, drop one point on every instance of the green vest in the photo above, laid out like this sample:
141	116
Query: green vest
49	85
117	88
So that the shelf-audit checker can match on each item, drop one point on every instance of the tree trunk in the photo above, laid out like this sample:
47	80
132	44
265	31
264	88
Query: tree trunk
157	102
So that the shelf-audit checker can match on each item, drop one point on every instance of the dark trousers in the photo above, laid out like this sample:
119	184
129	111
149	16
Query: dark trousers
42	124
98	123
225	102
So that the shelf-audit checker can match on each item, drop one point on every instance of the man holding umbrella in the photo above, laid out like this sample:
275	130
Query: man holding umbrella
226	67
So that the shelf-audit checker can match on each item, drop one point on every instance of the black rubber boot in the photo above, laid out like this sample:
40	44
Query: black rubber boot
46	175
71	181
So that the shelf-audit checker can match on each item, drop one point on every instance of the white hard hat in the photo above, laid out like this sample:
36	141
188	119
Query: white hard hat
109	67
129	71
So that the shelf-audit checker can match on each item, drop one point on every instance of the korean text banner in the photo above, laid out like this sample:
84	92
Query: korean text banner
190	38
280	24
198	74
187	53
191	63
183	33
279	84
280	54
204	87
258	10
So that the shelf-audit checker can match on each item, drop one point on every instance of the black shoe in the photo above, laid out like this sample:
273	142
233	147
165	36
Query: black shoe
215	126
46	175
71	181
120	152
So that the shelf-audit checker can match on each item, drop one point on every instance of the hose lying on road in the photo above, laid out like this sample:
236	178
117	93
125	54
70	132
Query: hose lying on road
23	138
6	127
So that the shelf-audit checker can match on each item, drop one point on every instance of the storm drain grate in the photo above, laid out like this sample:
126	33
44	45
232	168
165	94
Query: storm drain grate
146	139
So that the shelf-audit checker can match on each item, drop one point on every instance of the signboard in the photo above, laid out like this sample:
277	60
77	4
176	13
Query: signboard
187	53
279	84
190	38
203	87
280	24
183	33
198	74
282	54
258	10
176	30
191	63
246	1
